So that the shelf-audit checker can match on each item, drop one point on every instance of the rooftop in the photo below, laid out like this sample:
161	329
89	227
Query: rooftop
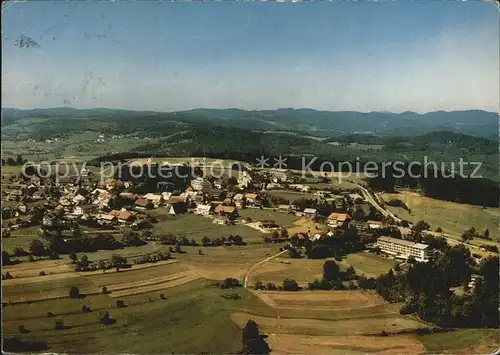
404	242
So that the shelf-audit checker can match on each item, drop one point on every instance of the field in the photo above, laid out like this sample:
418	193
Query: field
462	341
329	321
194	226
452	217
193	318
368	264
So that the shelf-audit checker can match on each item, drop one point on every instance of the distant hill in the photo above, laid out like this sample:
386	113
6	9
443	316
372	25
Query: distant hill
306	121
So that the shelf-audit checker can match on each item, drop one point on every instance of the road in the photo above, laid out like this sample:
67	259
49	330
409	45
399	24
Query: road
245	281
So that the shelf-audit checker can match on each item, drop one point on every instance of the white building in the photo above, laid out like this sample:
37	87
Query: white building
244	180
203	210
281	174
200	184
404	248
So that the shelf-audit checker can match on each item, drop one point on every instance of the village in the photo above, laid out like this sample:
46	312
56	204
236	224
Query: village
70	208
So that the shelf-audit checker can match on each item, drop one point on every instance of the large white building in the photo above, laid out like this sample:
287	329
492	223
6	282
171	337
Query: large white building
200	184
404	248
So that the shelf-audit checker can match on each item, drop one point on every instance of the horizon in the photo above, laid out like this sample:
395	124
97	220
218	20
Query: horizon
169	57
241	109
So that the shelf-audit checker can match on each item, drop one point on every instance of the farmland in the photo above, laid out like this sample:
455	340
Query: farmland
194	226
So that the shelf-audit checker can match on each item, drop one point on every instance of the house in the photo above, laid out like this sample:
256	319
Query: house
285	208
300	187
404	248
267	225
310	212
156	199
338	219
281	174
37	195
49	219
143	203
107	218
203	210
273	186
372	225
226	210
66	180
123	215
166	195
85	209
35	180
22	208
220	220
176	199
252	198
79	199
200	184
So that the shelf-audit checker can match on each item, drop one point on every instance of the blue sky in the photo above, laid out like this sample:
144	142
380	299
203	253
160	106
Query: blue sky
392	56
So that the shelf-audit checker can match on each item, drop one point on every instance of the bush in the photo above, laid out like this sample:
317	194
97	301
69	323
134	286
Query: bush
104	318
290	285
22	329
74	292
229	283
59	324
42	273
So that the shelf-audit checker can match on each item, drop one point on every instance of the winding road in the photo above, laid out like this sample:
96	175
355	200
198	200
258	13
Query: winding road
452	240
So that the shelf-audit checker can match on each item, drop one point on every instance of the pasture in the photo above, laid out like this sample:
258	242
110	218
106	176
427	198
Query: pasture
462	341
368	264
452	217
195	226
192	319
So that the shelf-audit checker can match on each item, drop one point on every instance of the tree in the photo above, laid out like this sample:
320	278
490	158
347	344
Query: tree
36	247
59	324
486	234
73	257
411	260
22	329
290	285
118	260
104	318
252	341
331	270
19	160
5	258
74	292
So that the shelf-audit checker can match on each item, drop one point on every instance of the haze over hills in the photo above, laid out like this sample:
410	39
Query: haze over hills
310	121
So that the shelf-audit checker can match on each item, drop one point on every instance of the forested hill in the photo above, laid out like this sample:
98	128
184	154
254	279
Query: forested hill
308	121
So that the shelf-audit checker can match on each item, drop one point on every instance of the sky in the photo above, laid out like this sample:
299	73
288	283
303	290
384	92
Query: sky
364	56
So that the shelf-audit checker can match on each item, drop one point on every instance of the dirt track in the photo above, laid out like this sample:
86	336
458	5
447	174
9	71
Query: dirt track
331	345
